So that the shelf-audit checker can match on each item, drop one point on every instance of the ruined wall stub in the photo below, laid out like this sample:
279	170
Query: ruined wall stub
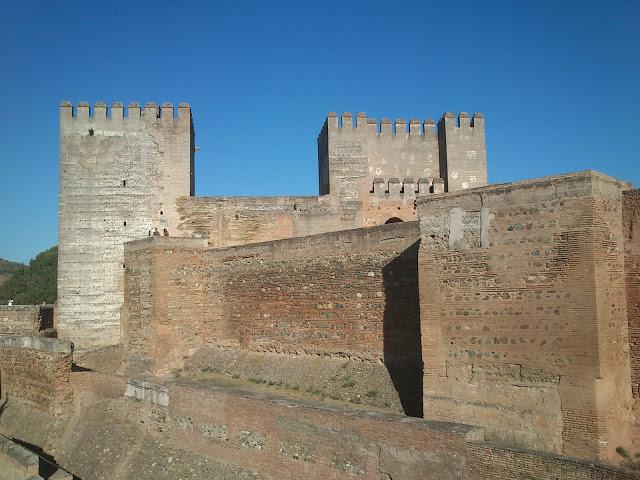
523	313
120	176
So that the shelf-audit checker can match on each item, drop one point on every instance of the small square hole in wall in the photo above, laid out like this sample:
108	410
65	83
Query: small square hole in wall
124	183
125	223
161	212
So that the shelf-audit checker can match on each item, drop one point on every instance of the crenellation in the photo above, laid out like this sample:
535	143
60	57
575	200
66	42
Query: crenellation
464	121
133	111
83	110
150	112
346	120
424	185
395	187
100	111
415	127
477	120
386	127
332	120
361	120
401	126
166	112
117	111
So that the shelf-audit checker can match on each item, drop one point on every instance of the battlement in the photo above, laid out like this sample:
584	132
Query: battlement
384	127
100	111
414	127
394	188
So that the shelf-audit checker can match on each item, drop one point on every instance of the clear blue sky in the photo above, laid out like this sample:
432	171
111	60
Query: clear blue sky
558	82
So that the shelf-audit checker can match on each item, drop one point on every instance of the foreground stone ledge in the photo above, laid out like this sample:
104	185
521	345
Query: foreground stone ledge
47	345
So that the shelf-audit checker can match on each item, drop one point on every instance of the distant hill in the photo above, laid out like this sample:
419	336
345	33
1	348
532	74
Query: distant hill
33	284
8	268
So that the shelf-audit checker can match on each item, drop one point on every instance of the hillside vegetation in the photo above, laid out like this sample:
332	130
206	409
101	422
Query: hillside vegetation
32	284
7	269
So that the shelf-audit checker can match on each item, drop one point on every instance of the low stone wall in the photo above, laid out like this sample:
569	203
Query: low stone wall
488	462
36	371
122	429
25	319
16	462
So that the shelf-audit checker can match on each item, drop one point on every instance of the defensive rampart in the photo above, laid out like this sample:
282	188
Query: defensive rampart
337	296
524	313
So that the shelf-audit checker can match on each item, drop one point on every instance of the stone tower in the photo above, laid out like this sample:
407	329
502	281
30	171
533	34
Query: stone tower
367	165
120	176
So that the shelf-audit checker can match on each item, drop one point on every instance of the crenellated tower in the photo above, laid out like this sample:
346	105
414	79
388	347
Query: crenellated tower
120	175
373	170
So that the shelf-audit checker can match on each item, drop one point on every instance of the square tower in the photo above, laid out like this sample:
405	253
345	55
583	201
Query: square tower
120	176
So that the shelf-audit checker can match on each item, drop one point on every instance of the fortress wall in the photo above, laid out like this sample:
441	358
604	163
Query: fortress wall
631	226
25	319
523	312
119	178
35	371
342	295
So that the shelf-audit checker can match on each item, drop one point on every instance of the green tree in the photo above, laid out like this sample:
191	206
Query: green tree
34	284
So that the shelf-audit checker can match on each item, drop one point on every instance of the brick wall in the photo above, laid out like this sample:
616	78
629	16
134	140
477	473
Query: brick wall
488	462
523	313
631	226
25	319
35	371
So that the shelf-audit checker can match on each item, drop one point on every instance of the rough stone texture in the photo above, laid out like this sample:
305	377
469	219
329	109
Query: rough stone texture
347	295
25	319
119	180
523	312
35	371
16	462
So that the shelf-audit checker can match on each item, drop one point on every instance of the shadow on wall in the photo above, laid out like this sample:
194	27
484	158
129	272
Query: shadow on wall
401	329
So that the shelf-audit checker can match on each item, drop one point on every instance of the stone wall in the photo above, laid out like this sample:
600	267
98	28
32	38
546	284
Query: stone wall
120	177
25	319
35	371
523	312
345	295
